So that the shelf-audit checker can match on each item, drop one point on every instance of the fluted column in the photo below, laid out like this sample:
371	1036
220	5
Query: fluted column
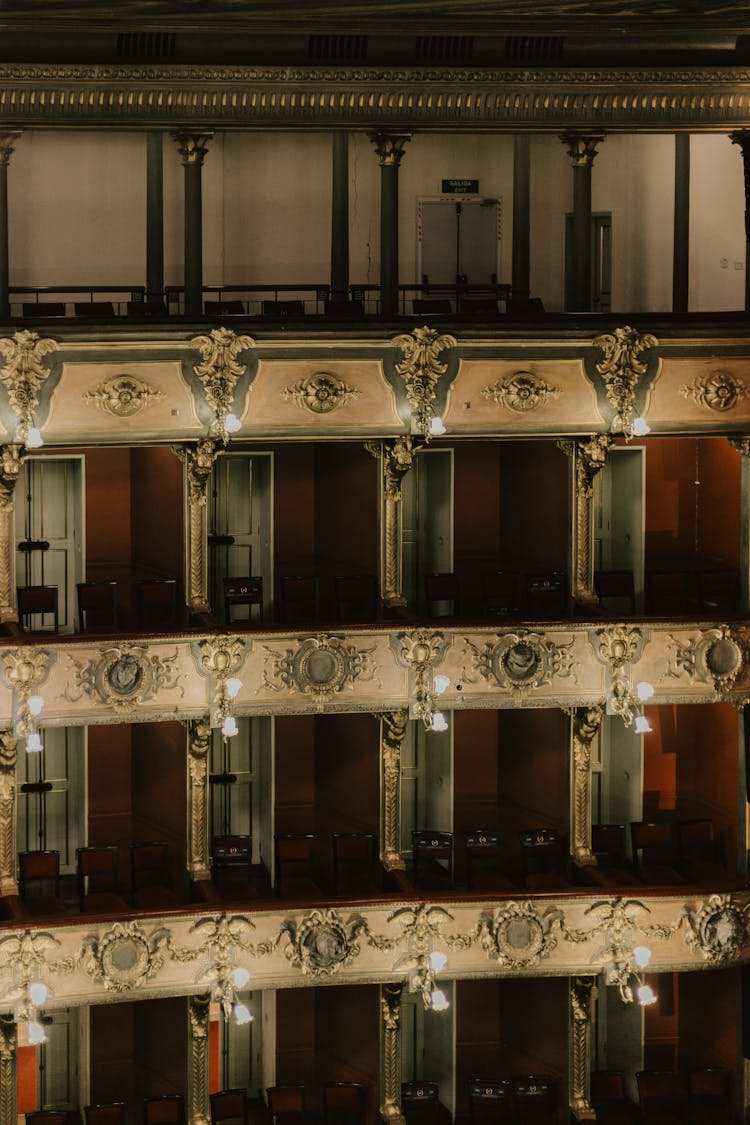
581	996
8	844
10	467
587	458
582	151
392	731
199	743
8	137
397	457
742	138
390	1053
199	461
390	149
198	1077
340	217
584	727
193	148
154	216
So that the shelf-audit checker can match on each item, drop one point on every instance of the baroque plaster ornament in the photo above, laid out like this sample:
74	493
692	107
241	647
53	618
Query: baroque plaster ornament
621	370
522	391
592	457
321	666
718	930
220	372
421	369
123	396
124	677
24	374
320	393
520	662
720	390
617	645
124	957
322	943
517	935
717	656
221	656
397	457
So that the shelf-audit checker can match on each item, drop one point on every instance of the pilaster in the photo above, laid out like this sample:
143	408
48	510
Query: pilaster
397	457
198	1083
581	995
199	741
588	458
390	1053
10	467
8	847
585	725
199	461
392	730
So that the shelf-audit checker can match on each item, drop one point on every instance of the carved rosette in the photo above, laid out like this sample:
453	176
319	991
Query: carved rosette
522	392
718	930
520	662
421	369
618	645
321	393
517	935
123	397
124	957
719	391
322	944
24	374
124	677
392	730
221	657
199	744
621	370
220	371
10	467
717	656
320	667
582	991
199	1105
584	729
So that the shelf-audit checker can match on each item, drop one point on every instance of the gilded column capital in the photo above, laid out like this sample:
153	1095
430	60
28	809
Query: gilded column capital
581	147
741	444
199	460
389	147
398	457
191	145
8	138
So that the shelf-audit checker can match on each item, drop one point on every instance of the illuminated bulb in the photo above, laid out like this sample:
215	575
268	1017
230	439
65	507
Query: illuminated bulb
231	424
36	1033
242	1014
642	725
438	961
34	440
38	992
229	727
440	684
240	977
437	427
33	742
641	956
646	994
438	1000
438	721
234	687
644	690
640	427
36	705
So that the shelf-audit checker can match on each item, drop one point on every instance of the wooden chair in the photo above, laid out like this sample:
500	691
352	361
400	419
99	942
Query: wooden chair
286	1105
616	590
502	594
655	854
97	884
156	603
300	602
547	595
718	590
37	600
94	308
224	308
535	1099
431	305
39	883
344	1103
97	606
432	855
232	860
43	308
609	1099
491	1103
612	868
283	308
478	306
104	1113
50	1117
544	859
229	1107
671	592
700	858
164	1109
484	862
146	308
246	591
442	594
420	1102
661	1097
709	1096
150	877
295	871
333	307
356	598
354	871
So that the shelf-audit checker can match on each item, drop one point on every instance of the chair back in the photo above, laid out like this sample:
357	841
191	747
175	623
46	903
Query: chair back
244	591
97	606
671	591
616	586
535	1097
229	1105
718	589
608	845
343	1103
97	871
156	601
149	864
299	598
442	594
696	840
231	853
43	308
659	1089
483	852
420	1100
164	1109
490	1102
37	600
432	852
94	308
356	597
283	308
653	843
49	1117
40	869
353	861
502	593
105	1113
542	851
431	305
224	308
285	1099
607	1086
546	594
294	857
709	1087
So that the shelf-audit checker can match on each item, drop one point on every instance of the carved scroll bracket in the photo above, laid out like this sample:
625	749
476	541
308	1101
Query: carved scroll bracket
621	370
23	376
392	730
421	369
219	373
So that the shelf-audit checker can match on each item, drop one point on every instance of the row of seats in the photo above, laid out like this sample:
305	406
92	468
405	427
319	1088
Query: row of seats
99	891
706	590
98	605
700	1097
505	593
498	1101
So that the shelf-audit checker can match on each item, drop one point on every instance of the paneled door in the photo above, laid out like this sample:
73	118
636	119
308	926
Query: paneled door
240	529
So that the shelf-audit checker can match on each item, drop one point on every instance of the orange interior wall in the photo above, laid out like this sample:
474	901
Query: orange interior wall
161	1047
534	506
26	1064
720	472
294	508
157	514
346	515
110	810
660	748
108	540
112	1050
707	771
661	1024
476	516
295	1037
295	773
347	773
476	777
158	769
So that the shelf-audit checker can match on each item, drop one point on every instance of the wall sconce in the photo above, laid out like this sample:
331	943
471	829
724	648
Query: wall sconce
26	726
426	707
34	439
26	1010
437	426
230	689
226	981
640	427
626	973
426	966
630	707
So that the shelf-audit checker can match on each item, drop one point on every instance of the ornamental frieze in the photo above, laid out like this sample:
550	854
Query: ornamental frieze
718	930
124	677
321	944
621	370
24	374
520	662
716	656
618	645
124	957
123	397
320	393
719	391
518	935
320	666
522	391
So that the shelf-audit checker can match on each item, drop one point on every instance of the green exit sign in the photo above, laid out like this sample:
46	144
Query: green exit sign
460	187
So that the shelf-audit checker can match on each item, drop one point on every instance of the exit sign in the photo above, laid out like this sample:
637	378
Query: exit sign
460	187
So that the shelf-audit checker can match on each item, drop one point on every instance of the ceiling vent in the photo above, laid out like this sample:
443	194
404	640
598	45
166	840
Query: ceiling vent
444	50
146	45
534	49
337	48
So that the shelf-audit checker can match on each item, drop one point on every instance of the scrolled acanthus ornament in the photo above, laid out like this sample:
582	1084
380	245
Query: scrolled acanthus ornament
124	677
321	666
320	393
718	930
220	372
421	369
124	957
23	375
521	661
123	396
522	391
719	390
621	370
718	656
517	935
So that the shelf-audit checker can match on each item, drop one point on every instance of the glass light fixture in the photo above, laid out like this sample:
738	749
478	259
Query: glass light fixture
640	427
242	1014
232	424
437	427
229	727
641	956
240	977
438	1000
233	686
439	722
34	439
441	683
644	690
38	992
36	705
438	961
646	995
36	1033
33	742
642	725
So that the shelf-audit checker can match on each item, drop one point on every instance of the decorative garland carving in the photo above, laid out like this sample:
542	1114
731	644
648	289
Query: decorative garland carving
321	944
24	374
590	459
124	677
522	391
421	369
718	656
320	393
123	397
621	370
718	930
517	935
521	662
124	957
322	666
8	765
397	457
390	1011
720	390
220	372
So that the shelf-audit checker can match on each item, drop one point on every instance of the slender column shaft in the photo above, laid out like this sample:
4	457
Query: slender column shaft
389	148
8	1071
199	736
10	467
582	151
584	727
392	731
8	845
581	996
192	147
199	462
681	222
340	218
587	458
198	1077
397	457
390	1053
521	215
7	140
154	217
